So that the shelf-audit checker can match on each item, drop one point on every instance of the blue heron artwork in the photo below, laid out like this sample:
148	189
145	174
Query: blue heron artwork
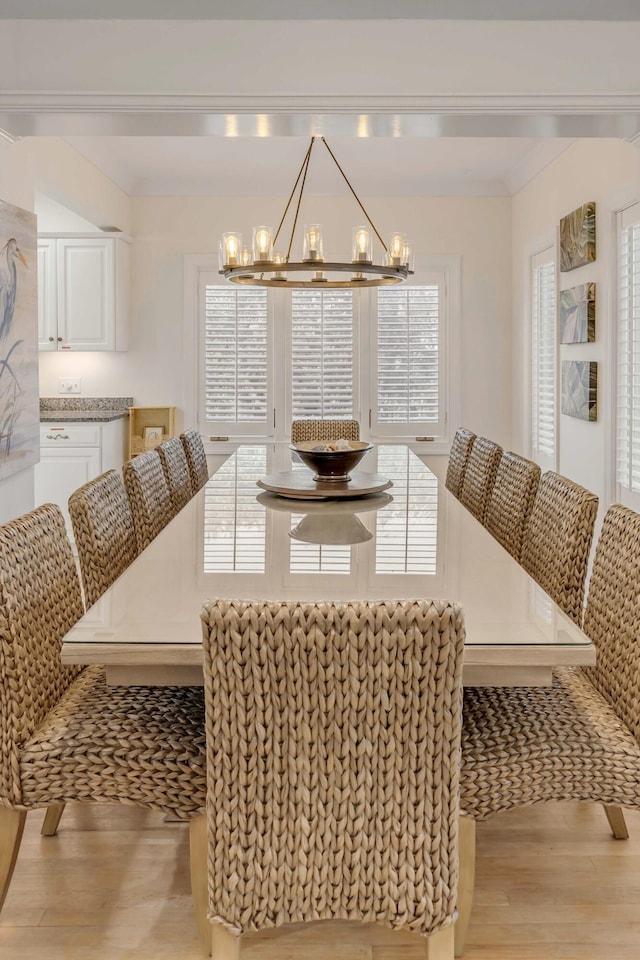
18	340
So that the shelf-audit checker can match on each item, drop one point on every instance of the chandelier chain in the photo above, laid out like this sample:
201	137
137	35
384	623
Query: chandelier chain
360	204
304	177
305	162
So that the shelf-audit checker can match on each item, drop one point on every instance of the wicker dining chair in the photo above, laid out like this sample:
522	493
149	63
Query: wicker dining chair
580	738
176	472
65	735
557	540
103	531
332	762
324	430
196	458
511	501
149	496
458	457
479	476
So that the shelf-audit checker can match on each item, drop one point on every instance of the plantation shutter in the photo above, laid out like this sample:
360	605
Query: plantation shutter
628	359
322	381
409	380
237	392
544	362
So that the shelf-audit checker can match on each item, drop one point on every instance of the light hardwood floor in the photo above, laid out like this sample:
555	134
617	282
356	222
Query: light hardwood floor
114	885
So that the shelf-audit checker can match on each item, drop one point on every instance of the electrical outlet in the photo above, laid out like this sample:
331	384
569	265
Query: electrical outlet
69	385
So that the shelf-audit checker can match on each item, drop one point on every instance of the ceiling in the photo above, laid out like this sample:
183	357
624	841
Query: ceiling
424	156
326	10
267	166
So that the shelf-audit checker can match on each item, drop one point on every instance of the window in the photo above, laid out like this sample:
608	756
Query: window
628	359
321	371
237	395
382	357
544	362
409	361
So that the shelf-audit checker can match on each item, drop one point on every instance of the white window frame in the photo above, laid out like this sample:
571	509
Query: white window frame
622	491
201	268
544	257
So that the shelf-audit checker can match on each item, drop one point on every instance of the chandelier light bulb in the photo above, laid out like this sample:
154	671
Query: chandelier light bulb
262	244
279	275
230	249
312	247
395	252
245	257
362	247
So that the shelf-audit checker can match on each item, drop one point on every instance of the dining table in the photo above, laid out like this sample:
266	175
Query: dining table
412	540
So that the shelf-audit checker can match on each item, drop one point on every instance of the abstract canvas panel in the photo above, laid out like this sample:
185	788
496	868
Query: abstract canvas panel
578	237
19	406
580	389
578	314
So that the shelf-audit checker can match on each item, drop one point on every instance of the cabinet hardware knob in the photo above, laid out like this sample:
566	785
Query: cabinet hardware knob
50	339
59	339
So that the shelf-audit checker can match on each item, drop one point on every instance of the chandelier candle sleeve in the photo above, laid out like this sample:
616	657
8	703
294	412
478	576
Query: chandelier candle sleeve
396	250
262	244
230	249
312	250
362	245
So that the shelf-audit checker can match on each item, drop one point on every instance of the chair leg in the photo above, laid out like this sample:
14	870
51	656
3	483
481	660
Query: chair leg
11	827
439	945
224	945
199	889
466	882
615	816
52	819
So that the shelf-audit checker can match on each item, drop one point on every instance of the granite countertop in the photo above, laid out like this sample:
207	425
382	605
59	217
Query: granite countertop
84	409
81	416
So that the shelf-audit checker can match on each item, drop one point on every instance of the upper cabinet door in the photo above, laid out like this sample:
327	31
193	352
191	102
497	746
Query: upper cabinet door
47	302
86	294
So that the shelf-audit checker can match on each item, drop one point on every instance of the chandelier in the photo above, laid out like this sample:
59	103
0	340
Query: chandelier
263	266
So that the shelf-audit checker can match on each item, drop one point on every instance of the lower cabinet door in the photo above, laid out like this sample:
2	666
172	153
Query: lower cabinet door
61	471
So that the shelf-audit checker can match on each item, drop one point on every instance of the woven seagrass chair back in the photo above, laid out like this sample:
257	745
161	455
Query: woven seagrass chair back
148	495
479	476
103	531
511	500
557	540
196	458
612	615
176	472
324	430
328	726
458	456
40	600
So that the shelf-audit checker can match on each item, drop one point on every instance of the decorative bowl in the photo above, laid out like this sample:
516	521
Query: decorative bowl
331	465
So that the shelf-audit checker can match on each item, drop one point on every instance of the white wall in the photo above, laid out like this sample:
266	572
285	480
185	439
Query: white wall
165	229
49	165
607	171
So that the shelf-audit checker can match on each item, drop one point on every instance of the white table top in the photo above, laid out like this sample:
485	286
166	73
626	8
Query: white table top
234	541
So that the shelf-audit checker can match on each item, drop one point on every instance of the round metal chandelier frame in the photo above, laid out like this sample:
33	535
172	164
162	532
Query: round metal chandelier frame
364	273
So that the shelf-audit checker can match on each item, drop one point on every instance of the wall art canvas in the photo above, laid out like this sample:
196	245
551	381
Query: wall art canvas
580	389
19	403
578	237
578	314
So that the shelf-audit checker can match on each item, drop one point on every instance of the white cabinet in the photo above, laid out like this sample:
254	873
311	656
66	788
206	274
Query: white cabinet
83	293
73	453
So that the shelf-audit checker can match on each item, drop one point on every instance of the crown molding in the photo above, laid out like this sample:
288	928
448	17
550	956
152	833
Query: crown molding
563	103
45	113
